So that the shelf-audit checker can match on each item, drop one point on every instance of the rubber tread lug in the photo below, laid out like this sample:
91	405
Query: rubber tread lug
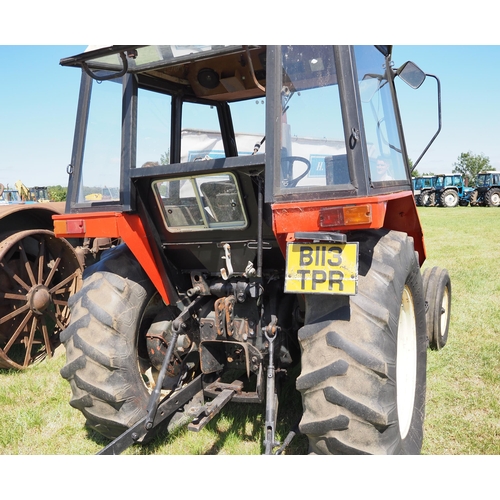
335	369
333	339
337	398
336	447
339	423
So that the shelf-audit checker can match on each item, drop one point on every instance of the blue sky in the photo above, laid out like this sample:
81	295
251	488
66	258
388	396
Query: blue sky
38	101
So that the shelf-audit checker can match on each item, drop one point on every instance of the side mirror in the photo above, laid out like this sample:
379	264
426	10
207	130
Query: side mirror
411	74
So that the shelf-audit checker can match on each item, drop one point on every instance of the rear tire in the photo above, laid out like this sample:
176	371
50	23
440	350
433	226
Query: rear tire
104	360
492	197
427	199
449	198
474	197
363	376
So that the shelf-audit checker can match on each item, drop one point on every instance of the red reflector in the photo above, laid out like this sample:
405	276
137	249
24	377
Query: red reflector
75	226
331	217
345	216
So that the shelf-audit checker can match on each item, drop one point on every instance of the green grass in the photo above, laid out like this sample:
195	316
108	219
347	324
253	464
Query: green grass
463	381
463	388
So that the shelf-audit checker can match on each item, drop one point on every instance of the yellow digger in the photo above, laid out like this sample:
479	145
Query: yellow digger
35	194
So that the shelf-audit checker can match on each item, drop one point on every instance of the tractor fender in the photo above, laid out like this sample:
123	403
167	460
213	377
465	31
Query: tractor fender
22	216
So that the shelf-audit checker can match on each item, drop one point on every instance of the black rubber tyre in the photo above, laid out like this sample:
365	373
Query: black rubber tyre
364	357
437	292
427	199
474	198
449	198
431	202
492	197
105	362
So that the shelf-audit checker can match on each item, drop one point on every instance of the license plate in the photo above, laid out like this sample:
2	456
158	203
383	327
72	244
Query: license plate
329	268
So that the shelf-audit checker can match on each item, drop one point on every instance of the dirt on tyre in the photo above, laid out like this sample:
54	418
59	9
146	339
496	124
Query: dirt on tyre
437	292
106	357
364	357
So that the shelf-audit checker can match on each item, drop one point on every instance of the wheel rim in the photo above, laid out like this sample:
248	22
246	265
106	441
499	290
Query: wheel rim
444	311
406	362
38	274
495	199
450	199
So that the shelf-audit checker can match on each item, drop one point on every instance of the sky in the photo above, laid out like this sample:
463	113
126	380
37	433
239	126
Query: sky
38	100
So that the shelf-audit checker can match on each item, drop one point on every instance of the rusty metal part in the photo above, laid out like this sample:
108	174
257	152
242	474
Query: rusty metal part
240	396
220	316
199	283
204	414
38	274
229	306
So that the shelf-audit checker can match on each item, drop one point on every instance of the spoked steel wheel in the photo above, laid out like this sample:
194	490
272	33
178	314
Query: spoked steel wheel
38	274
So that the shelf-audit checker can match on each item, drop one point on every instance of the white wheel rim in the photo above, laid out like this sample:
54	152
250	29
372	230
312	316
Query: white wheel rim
406	362
444	311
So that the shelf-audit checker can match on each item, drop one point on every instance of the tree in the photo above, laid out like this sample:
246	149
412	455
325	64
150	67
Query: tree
469	165
57	193
165	158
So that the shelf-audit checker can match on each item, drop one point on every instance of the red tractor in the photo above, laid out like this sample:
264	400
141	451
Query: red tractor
264	202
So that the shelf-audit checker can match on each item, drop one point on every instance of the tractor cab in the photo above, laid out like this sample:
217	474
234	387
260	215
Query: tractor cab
314	126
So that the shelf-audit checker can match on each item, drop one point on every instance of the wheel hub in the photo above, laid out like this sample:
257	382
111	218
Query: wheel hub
39	299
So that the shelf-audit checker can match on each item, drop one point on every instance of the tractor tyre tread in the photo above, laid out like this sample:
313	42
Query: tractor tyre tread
100	341
348	347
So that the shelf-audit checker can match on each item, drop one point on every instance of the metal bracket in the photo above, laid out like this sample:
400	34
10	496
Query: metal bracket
203	414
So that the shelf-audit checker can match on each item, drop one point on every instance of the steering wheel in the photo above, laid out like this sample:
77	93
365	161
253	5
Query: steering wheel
290	183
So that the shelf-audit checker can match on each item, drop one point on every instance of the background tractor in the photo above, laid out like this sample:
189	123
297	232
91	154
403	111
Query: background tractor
451	190
445	190
423	190
487	190
282	232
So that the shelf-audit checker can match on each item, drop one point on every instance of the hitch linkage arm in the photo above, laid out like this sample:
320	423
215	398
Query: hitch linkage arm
177	325
271	398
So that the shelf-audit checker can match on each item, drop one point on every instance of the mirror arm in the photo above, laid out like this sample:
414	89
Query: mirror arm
439	121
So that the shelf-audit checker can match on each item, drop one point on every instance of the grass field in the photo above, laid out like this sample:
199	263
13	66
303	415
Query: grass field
463	393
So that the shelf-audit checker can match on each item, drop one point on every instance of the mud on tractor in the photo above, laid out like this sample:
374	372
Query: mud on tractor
282	231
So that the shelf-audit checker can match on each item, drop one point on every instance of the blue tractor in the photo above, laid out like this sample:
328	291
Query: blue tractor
487	190
451	190
423	190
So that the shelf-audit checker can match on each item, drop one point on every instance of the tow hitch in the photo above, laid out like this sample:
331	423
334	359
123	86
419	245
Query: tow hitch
203	414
